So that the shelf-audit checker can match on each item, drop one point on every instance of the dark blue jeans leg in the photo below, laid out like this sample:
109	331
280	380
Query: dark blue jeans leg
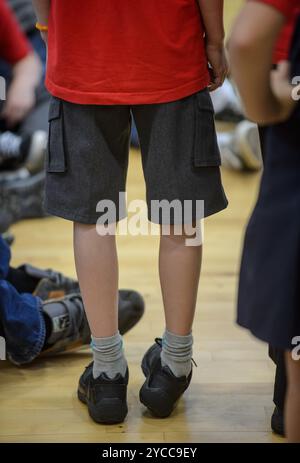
21	320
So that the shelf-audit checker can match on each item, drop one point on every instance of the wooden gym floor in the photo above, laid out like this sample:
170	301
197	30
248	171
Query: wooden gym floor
230	398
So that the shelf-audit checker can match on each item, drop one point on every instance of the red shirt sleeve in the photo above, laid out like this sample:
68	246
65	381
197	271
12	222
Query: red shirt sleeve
286	7
13	43
284	41
290	9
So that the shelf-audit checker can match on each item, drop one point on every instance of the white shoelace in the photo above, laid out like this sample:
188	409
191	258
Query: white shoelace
9	145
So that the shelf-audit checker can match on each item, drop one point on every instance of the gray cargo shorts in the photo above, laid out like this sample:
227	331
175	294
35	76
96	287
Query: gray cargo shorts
88	151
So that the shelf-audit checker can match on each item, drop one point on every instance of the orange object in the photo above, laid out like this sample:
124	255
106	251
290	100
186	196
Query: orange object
41	27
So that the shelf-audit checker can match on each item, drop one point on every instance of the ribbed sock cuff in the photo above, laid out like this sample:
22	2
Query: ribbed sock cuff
108	356
177	353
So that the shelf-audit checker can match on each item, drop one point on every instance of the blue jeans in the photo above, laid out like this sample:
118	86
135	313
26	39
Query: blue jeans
21	321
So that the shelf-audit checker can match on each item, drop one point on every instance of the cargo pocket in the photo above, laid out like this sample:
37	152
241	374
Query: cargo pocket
206	150
56	161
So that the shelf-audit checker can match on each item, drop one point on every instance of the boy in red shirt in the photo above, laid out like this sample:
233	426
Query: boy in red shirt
270	262
107	62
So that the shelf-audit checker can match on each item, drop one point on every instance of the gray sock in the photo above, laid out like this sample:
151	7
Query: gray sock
177	353
108	356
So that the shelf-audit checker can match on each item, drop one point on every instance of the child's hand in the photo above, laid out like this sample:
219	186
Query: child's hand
21	96
218	62
283	90
19	102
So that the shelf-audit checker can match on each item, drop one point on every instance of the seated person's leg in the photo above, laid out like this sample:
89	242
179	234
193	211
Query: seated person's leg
4	258
22	322
20	316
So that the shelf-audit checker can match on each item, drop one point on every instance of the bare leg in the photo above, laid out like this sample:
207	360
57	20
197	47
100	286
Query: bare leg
97	269
179	269
292	408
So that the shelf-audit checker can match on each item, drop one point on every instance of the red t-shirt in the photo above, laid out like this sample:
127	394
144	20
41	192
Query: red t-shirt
286	7
125	52
283	43
13	43
290	9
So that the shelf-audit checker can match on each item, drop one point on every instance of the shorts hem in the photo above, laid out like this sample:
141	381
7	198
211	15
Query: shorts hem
208	213
85	219
92	220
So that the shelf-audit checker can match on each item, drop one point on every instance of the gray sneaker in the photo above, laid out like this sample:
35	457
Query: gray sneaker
66	324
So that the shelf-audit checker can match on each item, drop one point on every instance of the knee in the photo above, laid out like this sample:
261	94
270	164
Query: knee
180	234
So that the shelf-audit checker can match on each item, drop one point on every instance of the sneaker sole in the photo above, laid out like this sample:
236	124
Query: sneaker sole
69	346
109	411
251	158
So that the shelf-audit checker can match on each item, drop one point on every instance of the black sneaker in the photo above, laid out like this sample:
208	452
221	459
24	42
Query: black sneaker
131	309
277	422
106	398
21	199
8	176
161	390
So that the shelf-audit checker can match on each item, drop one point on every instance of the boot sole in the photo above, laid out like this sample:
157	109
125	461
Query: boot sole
108	411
